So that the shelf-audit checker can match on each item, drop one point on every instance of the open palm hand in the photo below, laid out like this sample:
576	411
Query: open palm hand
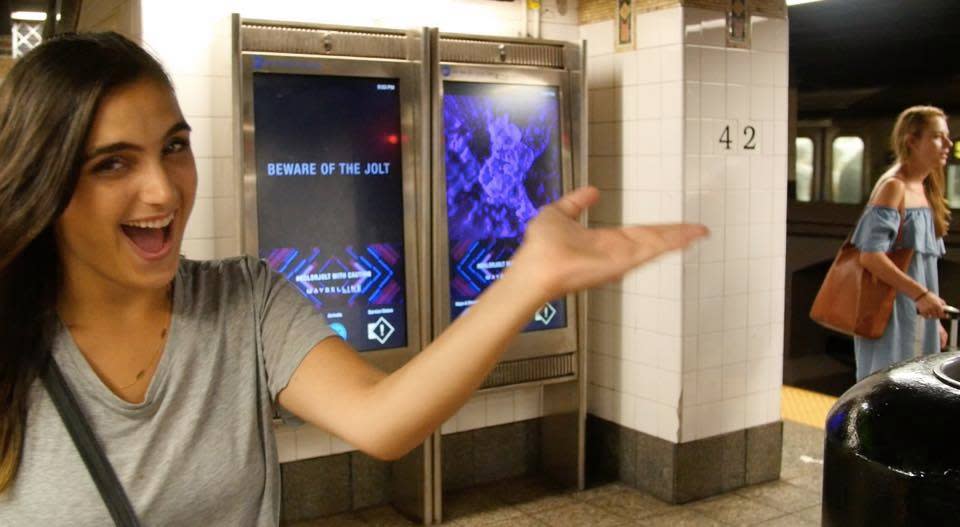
559	255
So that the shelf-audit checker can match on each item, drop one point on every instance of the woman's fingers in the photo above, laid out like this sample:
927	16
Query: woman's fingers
938	304
572	204
932	308
654	240
567	257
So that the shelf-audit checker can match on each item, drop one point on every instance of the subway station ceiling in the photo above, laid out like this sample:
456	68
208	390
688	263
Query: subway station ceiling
867	57
67	11
848	58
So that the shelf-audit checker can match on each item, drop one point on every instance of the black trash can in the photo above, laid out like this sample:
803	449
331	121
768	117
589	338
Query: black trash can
892	448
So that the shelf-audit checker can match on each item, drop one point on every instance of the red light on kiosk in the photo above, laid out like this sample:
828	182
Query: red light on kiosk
393	139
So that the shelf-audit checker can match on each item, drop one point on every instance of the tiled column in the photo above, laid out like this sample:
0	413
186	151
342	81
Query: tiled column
686	353
636	122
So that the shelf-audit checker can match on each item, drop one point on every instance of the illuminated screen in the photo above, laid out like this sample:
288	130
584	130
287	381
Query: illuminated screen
330	198
502	151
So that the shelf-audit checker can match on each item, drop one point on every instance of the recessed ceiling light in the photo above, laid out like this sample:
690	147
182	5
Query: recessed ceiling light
30	16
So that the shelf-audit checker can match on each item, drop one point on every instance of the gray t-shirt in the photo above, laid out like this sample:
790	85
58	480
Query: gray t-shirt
200	449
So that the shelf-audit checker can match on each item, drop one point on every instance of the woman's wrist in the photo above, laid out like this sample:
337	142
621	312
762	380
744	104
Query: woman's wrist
531	277
921	295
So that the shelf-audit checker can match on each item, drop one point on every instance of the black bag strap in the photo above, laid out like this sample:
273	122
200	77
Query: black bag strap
93	457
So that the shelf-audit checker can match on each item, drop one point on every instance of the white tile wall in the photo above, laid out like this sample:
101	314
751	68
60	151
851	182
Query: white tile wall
599	35
312	442
716	313
286	443
306	441
733	371
496	408
559	21
636	326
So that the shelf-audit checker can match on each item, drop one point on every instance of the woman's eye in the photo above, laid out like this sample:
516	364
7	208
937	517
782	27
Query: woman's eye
176	145
110	164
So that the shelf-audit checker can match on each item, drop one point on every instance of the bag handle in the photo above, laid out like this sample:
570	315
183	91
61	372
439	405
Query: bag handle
93	457
901	210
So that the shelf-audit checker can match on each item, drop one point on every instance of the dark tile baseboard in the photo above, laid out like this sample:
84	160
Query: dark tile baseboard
330	485
679	473
486	455
324	486
675	473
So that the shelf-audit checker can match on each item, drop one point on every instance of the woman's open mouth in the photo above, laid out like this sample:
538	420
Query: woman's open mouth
150	237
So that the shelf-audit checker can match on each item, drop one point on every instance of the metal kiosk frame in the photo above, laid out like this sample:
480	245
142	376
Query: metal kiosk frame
314	49
555	358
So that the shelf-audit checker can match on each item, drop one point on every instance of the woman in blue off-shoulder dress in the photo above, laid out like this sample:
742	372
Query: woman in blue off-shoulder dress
913	185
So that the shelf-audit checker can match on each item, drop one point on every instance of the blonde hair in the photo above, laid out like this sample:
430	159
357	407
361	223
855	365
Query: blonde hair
912	122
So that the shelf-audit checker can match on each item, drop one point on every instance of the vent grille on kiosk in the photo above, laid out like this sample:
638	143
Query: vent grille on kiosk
512	53
319	41
529	370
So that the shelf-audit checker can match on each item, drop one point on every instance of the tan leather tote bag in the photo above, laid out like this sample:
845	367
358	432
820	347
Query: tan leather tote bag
853	301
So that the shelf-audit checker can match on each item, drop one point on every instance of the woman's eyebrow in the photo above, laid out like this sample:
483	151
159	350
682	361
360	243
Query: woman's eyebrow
121	146
109	149
179	127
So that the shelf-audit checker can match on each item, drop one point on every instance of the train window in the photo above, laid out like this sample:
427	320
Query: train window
847	173
953	187
953	176
804	168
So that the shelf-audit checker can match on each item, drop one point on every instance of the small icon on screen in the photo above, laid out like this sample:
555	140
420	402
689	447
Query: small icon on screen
546	314
339	329
380	331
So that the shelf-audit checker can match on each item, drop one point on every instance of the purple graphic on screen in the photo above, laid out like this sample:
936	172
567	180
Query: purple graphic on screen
503	162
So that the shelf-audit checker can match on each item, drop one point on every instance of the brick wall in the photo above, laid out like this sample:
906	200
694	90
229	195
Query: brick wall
596	10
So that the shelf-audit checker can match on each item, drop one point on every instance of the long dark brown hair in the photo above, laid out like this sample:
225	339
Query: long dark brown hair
47	104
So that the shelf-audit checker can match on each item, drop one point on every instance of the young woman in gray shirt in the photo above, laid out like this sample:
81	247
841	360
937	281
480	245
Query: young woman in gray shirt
177	364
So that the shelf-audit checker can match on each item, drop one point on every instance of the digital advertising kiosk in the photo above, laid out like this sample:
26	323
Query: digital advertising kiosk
332	145
508	132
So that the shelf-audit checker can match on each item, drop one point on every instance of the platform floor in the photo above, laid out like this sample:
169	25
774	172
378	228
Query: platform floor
794	500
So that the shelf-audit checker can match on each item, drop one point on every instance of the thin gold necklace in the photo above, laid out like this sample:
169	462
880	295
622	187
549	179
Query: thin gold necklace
153	358
156	353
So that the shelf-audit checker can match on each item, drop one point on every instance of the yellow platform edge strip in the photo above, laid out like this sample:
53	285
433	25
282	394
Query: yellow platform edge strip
805	407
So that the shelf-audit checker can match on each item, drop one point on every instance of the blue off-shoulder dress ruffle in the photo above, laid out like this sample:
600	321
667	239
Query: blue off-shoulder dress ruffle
876	232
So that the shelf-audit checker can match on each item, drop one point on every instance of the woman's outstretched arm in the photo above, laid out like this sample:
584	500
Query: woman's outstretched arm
388	415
